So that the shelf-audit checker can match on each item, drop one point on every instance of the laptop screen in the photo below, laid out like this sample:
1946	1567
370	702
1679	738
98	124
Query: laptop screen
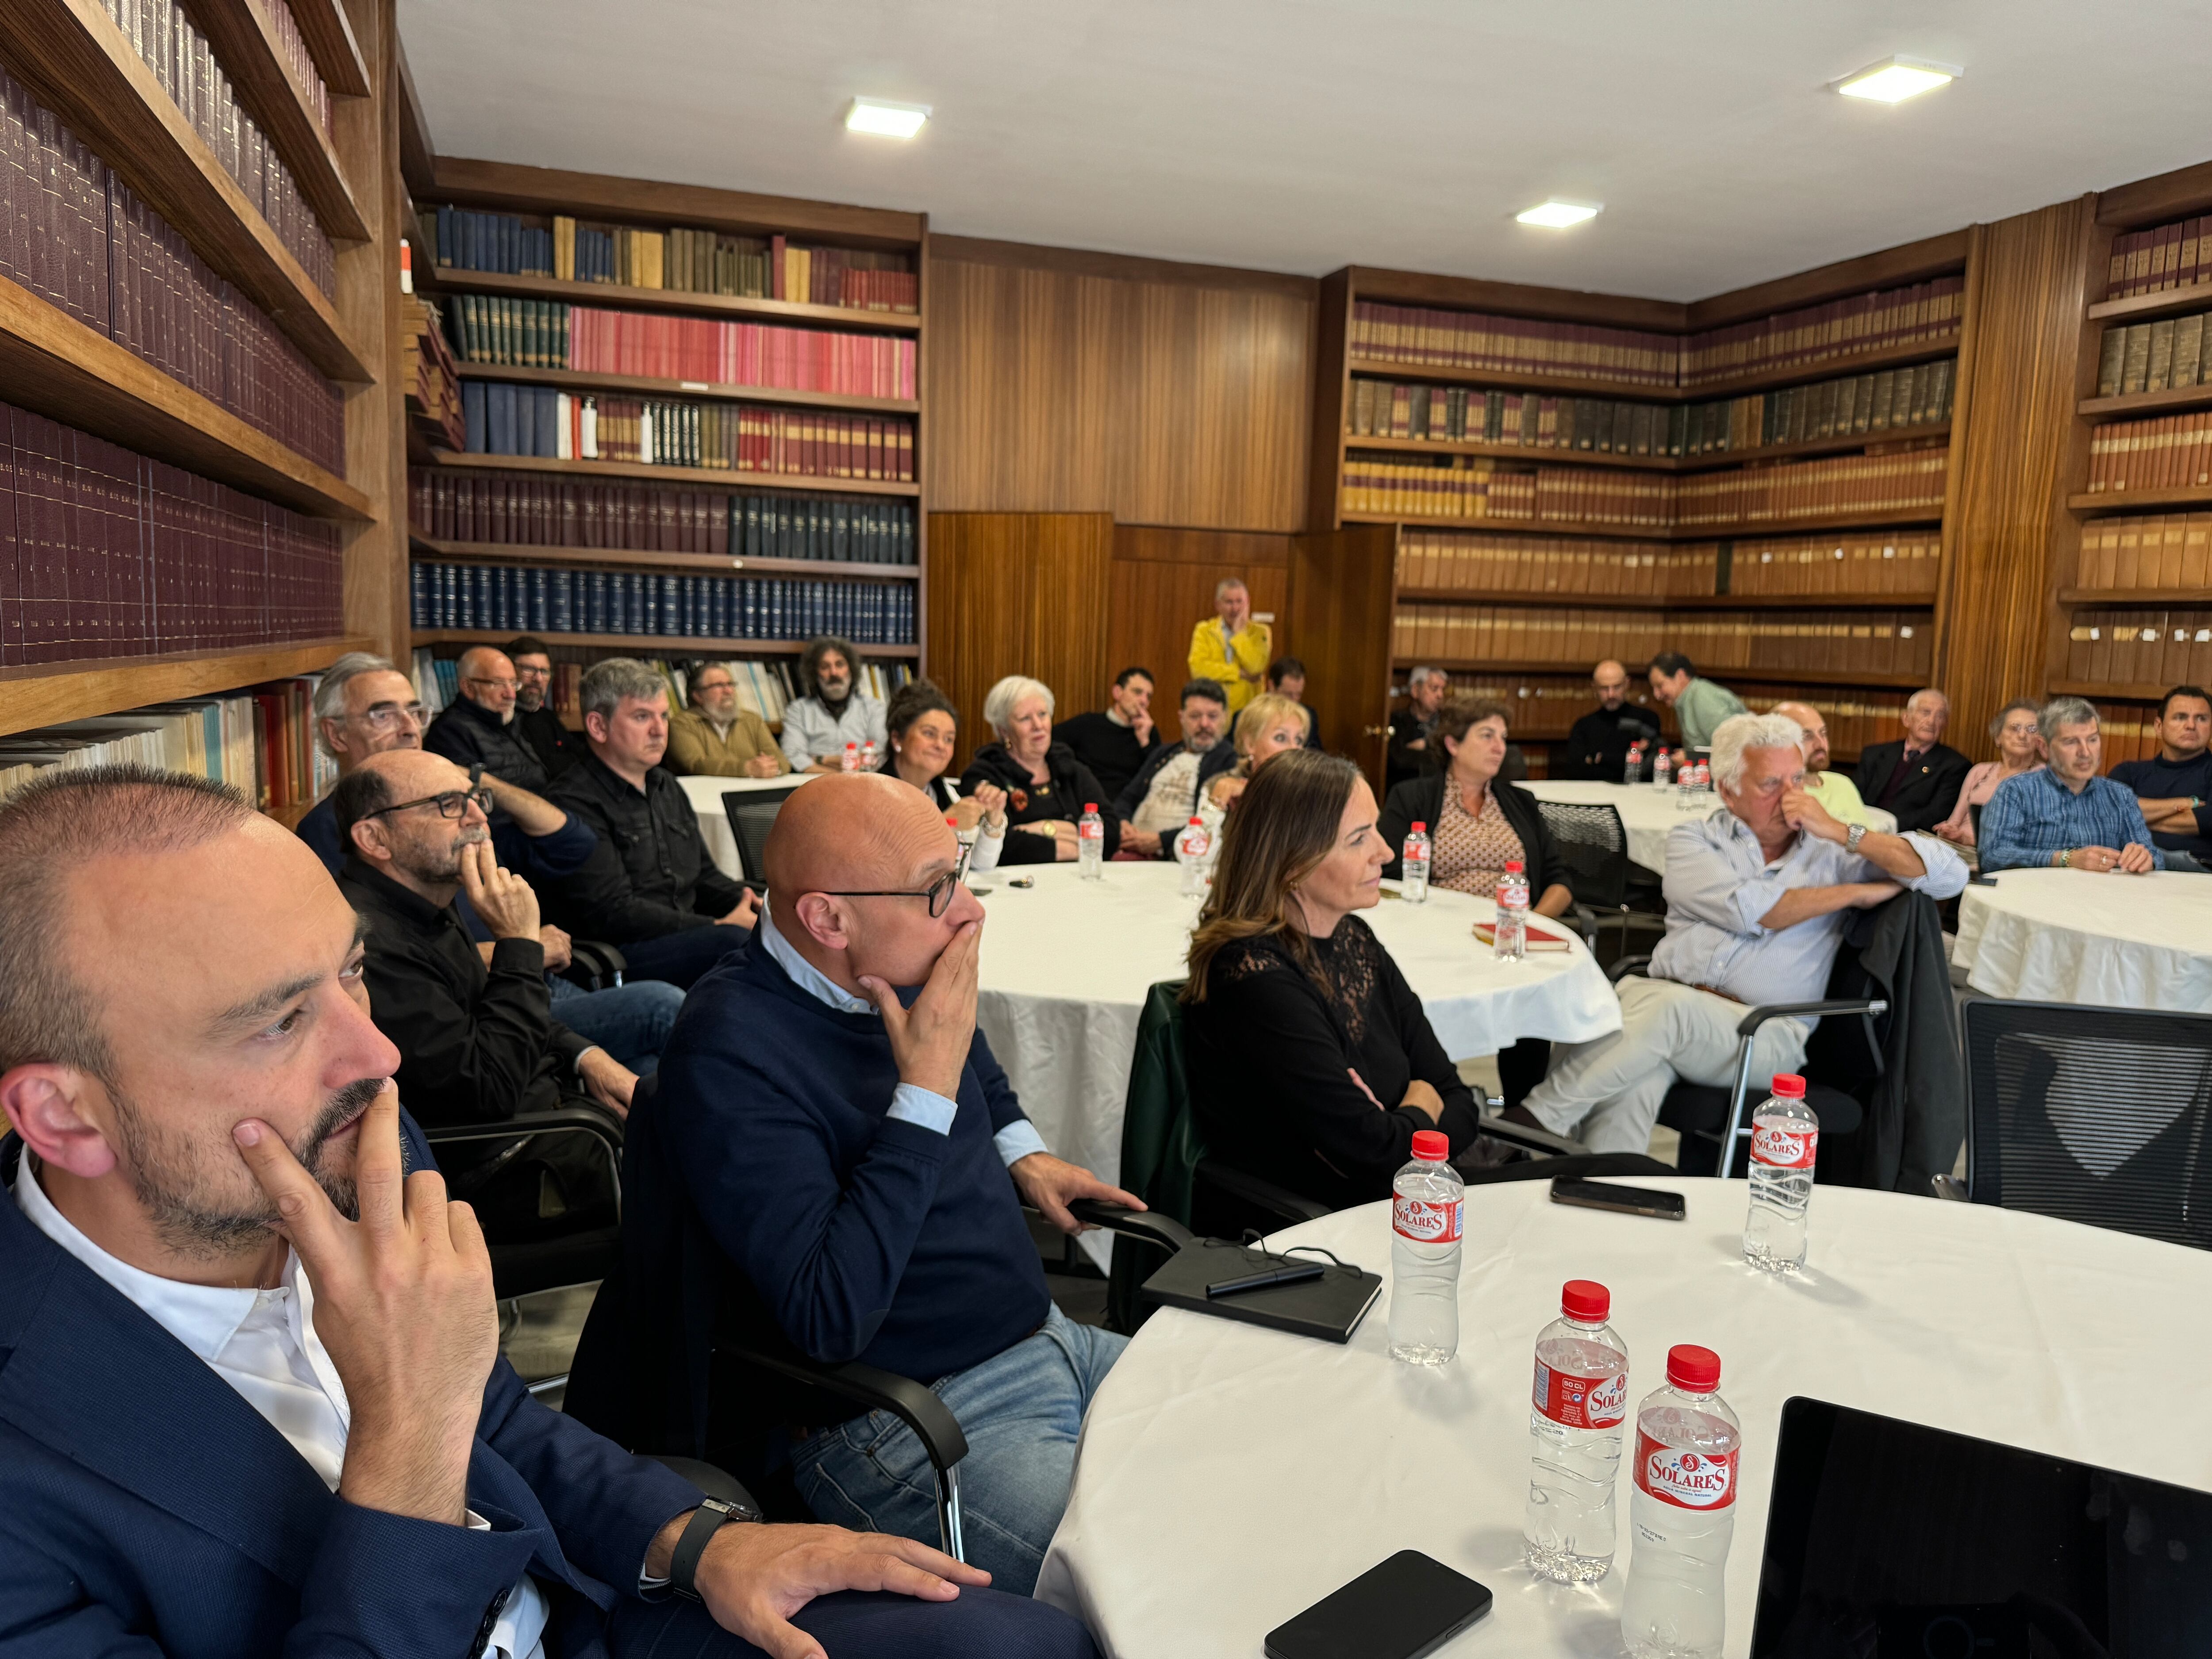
1886	1538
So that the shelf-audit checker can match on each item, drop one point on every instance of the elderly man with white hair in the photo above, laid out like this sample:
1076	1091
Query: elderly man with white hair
1916	777
1757	894
1048	789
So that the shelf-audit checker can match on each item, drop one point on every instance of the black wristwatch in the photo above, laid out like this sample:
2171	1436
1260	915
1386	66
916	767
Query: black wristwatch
705	1522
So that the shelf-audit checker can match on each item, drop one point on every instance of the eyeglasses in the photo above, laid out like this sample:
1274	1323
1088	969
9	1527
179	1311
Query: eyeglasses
454	804
938	892
486	679
386	715
524	672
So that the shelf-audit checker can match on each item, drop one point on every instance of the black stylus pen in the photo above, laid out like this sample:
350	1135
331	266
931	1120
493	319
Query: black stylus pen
1291	1272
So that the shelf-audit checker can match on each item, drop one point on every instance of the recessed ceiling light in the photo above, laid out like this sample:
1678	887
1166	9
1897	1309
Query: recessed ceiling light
1557	215
1894	80
890	120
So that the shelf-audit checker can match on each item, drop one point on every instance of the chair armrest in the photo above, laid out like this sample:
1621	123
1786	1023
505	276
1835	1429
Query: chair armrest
1625	966
1164	1230
1952	1188
575	1116
916	1406
1586	919
1757	1017
1276	1201
713	1481
1536	1140
595	964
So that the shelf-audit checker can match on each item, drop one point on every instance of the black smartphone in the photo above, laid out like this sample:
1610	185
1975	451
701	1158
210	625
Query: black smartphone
1409	1606
1629	1201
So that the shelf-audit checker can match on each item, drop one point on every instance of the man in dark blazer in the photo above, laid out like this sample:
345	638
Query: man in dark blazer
250	1398
1917	776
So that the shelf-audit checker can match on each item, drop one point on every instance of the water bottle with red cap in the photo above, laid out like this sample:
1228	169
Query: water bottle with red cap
1090	843
1428	1214
1579	1405
1682	1513
1414	866
1784	1136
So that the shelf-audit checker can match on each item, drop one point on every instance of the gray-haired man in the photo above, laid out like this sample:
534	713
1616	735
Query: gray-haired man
1756	898
1412	725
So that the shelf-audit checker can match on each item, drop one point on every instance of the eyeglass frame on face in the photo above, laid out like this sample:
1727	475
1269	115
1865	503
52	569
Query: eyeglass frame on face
480	795
385	715
487	679
938	892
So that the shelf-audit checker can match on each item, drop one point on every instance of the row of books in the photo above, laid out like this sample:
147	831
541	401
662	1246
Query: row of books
1895	398
427	378
679	259
2156	550
2167	452
106	554
260	741
1462	487
535	512
283	30
1915	314
494	328
1875	643
513	600
162	34
2163	256
501	418
1903	563
75	235
2160	356
2141	648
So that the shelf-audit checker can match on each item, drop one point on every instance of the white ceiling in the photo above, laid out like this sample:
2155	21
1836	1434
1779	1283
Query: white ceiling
1302	134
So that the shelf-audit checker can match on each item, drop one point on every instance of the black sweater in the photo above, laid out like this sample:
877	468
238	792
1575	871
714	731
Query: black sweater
1070	787
1423	799
1268	1051
1108	748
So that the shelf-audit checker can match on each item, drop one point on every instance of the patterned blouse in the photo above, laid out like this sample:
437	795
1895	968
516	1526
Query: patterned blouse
1468	853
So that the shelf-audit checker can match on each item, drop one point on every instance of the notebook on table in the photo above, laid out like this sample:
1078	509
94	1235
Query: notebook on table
1329	1307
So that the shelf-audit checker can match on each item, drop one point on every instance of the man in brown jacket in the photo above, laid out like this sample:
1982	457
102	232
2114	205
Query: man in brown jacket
715	737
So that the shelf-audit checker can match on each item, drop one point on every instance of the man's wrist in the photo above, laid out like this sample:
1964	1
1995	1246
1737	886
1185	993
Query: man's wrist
586	1055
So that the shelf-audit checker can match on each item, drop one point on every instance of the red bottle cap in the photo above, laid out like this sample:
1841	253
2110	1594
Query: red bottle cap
1585	1299
1090	806
1692	1369
1198	822
1419	823
1790	1086
1433	1144
1513	864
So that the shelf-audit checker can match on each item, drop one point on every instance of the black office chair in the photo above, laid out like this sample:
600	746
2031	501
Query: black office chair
594	965
2100	1115
1715	1123
1593	846
751	813
548	1260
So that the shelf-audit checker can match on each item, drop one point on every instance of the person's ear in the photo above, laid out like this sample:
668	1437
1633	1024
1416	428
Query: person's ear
825	920
48	1106
595	726
372	839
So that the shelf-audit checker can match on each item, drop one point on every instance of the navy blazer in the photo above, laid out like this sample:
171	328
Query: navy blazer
146	1509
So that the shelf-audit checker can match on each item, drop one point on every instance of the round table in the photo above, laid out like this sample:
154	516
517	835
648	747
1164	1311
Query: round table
1230	1476
1647	813
707	793
2071	936
1066	965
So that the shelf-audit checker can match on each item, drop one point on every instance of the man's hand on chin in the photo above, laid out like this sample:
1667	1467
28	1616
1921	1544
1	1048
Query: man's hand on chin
1050	1183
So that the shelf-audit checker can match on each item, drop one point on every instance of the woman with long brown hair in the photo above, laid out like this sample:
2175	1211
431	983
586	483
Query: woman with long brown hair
1311	1063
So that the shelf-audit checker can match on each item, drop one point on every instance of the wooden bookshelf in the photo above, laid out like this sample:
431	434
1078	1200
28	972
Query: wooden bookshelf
578	380
2113	692
48	693
1723	673
2149	308
331	42
1718	460
452	279
2132	404
660	644
698	478
2118	598
1630	533
244	37
2100	501
1738	530
615	558
1674	601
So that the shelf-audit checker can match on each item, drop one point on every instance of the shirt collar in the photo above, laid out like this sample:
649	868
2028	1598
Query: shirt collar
804	973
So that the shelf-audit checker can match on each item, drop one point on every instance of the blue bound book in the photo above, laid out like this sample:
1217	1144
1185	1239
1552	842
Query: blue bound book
473	416
499	418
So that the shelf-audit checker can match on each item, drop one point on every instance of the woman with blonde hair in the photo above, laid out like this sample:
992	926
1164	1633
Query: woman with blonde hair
1271	725
1311	1063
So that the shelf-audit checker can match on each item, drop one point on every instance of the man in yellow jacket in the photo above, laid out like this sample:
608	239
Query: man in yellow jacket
1230	646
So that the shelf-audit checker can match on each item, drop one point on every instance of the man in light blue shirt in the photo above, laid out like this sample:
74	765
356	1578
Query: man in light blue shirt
2064	815
1757	896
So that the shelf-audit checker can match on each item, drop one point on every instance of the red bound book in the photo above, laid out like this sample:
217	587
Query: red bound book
775	267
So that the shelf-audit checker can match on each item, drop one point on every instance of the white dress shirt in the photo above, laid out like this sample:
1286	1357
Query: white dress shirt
263	1343
811	732
910	1102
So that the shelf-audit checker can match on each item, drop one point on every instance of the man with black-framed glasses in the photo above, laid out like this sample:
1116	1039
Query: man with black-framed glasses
479	727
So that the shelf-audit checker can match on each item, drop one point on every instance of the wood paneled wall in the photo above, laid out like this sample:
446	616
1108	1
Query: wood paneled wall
1163	585
2008	536
1160	393
1017	593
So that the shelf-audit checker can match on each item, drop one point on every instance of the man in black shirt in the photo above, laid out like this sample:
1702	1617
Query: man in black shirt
536	723
650	887
478	728
477	1043
2175	787
1116	743
1597	745
1411	725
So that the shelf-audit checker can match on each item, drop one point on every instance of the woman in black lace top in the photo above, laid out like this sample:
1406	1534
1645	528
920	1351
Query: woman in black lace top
1311	1063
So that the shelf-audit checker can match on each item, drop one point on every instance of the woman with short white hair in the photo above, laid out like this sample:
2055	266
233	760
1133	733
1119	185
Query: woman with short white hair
1047	789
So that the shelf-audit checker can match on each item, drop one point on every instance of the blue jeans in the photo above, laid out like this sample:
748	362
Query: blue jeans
630	1022
1021	1413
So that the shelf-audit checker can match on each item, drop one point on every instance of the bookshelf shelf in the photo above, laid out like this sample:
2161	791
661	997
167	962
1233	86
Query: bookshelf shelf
78	61
1536	455
245	42
53	364
1864	362
702	478
1841	445
574	380
48	693
1571	385
2133	596
721	563
2118	691
1676	601
1721	671
1898	518
330	37
2144	307
453	279
1538	526
682	645
2146	402
2130	501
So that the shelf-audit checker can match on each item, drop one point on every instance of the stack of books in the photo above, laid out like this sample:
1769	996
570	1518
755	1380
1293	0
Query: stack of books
501	418
2158	357
2158	551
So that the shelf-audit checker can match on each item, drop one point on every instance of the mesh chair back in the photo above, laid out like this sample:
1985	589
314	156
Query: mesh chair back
751	813
1595	849
2101	1116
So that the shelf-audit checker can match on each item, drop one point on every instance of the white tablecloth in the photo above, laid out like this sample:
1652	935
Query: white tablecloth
2068	936
714	824
1066	965
1229	1476
1647	813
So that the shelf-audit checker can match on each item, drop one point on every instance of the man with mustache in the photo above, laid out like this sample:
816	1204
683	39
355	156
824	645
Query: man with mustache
251	1400
817	726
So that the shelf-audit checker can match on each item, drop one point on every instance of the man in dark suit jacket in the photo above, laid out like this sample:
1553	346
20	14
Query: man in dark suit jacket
219	1438
1919	776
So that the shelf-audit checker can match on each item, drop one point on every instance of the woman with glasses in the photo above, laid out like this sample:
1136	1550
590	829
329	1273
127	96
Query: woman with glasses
1046	787
2019	750
921	726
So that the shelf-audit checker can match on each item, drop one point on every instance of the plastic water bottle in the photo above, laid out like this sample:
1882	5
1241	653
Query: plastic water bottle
1635	764
1681	1512
1191	849
1662	767
1090	843
868	755
852	757
1413	873
1510	929
1784	1136
1428	1215
1580	1402
1703	787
